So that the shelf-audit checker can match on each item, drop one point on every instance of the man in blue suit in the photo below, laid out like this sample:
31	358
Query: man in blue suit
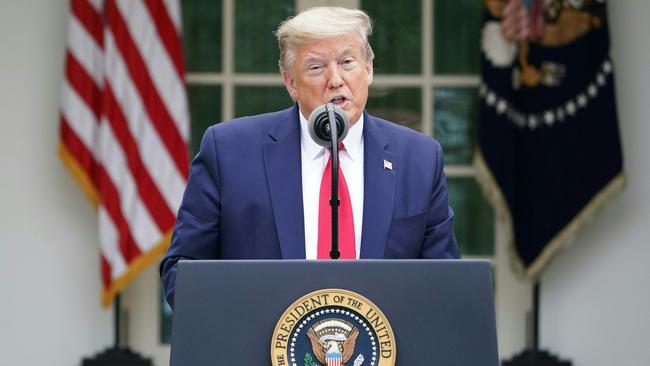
253	191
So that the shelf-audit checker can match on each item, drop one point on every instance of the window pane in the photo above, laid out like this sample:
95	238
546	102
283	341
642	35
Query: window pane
202	35
399	105
250	100
256	49
457	26
205	110
474	220
397	35
455	122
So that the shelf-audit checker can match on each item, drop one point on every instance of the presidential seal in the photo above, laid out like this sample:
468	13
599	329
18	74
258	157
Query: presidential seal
333	327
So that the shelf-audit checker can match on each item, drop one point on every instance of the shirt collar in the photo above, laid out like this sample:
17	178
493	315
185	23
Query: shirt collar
353	141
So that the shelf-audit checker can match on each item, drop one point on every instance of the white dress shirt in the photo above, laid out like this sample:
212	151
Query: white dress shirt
314	159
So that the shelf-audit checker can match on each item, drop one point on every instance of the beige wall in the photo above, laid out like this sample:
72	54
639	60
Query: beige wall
596	296
49	287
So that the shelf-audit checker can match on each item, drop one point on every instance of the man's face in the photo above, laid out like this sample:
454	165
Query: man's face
330	70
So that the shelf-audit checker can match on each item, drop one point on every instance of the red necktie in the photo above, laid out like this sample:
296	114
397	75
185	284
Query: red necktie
346	222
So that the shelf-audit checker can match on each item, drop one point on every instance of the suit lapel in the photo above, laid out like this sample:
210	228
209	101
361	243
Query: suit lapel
283	172
379	190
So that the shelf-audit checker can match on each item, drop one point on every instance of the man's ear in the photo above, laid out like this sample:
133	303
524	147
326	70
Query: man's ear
290	85
369	71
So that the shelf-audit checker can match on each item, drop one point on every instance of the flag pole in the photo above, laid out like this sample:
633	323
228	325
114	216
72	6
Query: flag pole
117	355
533	355
116	326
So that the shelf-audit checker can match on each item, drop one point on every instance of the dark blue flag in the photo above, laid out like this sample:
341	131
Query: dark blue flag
550	151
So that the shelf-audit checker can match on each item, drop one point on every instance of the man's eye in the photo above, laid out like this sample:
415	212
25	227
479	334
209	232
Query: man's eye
347	63
314	67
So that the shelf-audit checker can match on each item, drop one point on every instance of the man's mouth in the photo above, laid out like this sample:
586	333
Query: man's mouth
338	100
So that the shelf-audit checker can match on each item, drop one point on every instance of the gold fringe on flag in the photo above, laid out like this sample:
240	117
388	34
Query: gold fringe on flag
79	175
134	269
565	237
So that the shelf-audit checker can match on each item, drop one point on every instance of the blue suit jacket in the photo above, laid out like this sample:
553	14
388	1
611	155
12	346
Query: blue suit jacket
244	195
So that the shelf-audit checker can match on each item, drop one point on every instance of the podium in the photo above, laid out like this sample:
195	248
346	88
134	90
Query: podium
441	312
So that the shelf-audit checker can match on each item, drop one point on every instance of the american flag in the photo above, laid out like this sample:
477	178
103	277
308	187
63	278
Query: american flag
125	126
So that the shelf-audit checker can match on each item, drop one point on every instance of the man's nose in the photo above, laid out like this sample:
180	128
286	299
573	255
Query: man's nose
335	80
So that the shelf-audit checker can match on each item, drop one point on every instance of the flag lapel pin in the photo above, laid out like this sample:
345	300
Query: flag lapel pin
388	165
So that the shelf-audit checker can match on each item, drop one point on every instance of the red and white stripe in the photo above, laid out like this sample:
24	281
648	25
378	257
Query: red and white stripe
334	361
125	126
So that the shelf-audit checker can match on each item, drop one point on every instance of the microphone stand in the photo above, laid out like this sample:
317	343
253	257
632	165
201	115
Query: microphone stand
334	198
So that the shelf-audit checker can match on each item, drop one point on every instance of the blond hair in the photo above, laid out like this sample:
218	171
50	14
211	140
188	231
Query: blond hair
321	23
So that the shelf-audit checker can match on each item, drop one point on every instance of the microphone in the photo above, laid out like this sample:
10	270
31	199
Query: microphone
319	124
324	132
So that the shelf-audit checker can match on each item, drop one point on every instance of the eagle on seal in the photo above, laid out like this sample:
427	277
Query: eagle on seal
329	346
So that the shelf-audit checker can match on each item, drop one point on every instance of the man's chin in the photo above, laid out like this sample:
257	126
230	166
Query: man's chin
349	111
352	119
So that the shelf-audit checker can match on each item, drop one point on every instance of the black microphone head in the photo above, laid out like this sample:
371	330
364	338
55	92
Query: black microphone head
319	124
